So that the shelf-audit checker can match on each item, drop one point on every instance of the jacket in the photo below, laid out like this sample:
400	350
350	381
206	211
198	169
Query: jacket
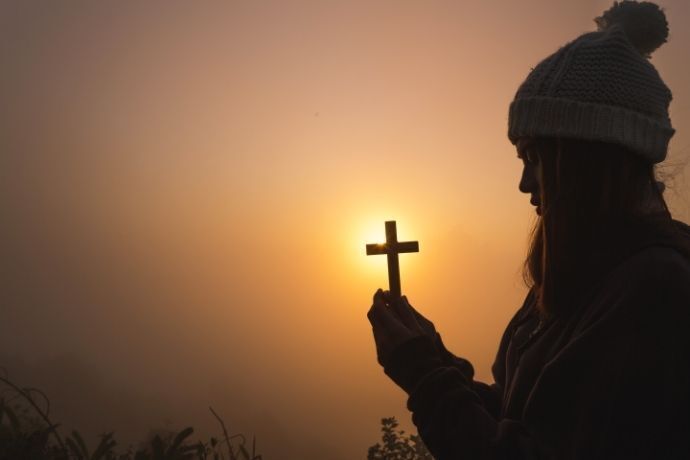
610	380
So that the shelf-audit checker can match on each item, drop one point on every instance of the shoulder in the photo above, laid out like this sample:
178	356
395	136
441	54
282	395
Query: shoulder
655	249
652	284
658	266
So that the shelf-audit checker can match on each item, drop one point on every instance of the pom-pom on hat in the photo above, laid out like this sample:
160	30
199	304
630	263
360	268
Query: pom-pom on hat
601	86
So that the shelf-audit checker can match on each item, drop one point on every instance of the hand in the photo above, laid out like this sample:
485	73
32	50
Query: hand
426	325
448	357
396	322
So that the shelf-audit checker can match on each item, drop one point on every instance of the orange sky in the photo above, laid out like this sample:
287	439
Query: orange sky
187	188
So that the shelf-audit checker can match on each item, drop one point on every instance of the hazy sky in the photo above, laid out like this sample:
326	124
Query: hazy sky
186	189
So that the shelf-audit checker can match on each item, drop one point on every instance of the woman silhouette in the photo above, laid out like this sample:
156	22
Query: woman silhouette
596	363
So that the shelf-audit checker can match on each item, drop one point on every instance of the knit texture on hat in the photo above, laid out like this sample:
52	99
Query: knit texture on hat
601	87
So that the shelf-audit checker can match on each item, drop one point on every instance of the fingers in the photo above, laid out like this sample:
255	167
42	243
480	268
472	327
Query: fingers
385	296
394	322
402	308
375	314
386	309
377	295
421	319
389	331
380	315
425	325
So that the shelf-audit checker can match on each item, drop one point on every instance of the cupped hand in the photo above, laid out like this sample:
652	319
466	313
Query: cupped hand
395	322
426	325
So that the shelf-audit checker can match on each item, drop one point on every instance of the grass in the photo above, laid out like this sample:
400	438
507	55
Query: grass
28	433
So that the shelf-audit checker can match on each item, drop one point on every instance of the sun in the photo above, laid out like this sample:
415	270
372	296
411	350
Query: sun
372	232
357	227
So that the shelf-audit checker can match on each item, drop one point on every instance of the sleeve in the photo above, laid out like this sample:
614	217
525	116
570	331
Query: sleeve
490	395
617	388
416	358
456	416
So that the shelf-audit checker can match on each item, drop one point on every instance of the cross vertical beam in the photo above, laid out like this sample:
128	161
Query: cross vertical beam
392	248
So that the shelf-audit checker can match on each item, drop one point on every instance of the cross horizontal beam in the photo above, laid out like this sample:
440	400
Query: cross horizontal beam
385	248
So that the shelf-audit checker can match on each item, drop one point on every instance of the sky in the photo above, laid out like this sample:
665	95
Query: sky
187	188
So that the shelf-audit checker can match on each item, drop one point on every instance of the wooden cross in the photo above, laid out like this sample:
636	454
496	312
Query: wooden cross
392	248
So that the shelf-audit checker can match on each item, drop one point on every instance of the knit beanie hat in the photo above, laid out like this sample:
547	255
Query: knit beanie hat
601	86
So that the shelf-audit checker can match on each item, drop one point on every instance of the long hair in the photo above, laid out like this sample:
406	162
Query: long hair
590	194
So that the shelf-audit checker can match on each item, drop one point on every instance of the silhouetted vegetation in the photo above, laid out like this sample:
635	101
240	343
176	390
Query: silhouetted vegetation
27	433
396	445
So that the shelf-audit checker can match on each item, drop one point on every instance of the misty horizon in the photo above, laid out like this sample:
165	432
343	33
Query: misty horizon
188	190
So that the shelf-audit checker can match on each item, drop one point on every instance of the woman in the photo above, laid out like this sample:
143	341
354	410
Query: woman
596	363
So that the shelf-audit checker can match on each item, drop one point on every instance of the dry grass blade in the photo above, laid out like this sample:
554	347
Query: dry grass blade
177	442
30	391
51	427
80	442
225	433
105	447
11	417
76	451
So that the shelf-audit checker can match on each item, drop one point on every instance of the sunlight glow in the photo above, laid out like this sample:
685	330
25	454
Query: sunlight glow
372	231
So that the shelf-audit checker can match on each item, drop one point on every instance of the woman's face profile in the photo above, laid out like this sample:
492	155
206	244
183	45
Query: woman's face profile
531	171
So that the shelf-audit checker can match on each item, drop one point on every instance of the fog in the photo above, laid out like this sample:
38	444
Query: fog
186	189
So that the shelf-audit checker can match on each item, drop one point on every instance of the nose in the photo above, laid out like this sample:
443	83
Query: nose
528	181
